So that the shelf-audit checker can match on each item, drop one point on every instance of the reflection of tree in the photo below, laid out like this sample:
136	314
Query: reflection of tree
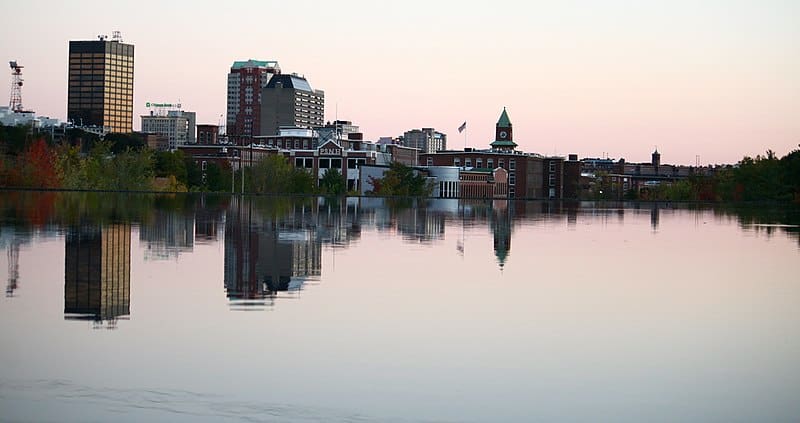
97	272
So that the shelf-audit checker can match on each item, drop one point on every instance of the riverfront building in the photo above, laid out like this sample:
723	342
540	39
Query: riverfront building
178	126
100	89
529	175
289	100
246	79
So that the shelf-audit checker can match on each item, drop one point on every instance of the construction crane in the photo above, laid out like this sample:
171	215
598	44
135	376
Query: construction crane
15	103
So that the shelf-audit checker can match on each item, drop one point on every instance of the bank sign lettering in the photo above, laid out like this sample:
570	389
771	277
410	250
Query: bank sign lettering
330	151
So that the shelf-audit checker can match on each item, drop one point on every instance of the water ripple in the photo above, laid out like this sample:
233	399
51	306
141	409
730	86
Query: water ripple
177	402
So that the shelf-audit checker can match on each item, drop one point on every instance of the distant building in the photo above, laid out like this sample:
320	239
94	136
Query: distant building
100	82
10	117
340	129
426	140
156	142
207	134
246	79
178	126
289	100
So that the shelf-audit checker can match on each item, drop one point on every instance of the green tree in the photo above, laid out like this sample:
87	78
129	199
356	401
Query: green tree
401	180
274	175
332	183
168	163
217	178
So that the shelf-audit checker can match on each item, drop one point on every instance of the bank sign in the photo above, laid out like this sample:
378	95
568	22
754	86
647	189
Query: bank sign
165	105
330	149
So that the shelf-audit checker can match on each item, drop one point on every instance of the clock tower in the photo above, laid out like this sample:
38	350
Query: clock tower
503	140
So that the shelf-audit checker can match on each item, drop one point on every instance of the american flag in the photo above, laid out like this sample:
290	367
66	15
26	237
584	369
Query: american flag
462	127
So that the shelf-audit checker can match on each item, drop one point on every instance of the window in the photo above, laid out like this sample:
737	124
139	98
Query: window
352	164
552	167
324	163
490	163
336	163
298	162
478	162
501	163
552	180
430	161
512	179
468	162
457	162
512	164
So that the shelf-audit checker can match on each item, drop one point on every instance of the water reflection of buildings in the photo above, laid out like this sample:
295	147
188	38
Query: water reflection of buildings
266	255
97	273
167	235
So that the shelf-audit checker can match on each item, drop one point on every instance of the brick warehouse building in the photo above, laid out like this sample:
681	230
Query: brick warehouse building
530	175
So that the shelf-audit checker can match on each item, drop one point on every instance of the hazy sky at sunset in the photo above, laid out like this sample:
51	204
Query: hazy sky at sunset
718	79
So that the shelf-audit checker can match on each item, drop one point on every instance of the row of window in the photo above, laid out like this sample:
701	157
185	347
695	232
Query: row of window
512	164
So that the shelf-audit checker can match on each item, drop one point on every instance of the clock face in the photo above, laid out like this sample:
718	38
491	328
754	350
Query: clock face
503	134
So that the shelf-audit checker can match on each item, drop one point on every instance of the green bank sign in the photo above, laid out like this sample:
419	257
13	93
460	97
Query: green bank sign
166	105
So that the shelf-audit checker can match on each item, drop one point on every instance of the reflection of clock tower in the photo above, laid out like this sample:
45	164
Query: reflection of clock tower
503	140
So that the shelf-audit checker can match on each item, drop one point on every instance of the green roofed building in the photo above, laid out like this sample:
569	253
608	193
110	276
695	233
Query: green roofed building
504	139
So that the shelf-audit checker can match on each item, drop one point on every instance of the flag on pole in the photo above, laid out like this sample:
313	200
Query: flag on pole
462	127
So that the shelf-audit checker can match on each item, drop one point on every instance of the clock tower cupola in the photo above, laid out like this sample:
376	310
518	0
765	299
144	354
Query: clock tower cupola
503	140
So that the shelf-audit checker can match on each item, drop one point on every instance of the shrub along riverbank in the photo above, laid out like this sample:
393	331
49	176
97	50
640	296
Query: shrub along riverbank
122	162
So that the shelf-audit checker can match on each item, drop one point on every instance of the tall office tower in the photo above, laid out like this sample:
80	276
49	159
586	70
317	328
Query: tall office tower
426	140
289	100
245	81
97	272
101	84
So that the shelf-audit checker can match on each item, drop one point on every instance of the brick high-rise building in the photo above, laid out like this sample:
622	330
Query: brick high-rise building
245	82
100	89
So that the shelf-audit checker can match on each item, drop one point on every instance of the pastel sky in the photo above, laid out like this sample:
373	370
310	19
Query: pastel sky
714	79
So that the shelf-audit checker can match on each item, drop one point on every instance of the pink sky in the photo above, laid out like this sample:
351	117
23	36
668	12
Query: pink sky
714	79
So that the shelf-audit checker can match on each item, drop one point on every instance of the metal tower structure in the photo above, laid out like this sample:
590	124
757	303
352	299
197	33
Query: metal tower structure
15	103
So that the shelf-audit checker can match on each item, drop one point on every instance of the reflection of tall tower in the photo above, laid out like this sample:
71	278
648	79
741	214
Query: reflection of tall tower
97	272
501	229
654	216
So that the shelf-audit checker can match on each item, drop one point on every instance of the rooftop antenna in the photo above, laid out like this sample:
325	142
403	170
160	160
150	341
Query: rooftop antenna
15	102
116	36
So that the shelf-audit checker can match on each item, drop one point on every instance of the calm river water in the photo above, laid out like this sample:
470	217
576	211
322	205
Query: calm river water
219	308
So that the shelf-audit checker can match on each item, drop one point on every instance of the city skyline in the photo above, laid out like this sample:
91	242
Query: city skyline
714	80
